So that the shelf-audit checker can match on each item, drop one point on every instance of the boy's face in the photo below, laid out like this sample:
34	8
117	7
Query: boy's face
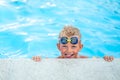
69	50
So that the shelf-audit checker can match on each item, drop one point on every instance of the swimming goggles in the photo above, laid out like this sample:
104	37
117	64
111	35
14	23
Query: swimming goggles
65	40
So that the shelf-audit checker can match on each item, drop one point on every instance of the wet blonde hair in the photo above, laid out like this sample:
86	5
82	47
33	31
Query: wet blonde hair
69	31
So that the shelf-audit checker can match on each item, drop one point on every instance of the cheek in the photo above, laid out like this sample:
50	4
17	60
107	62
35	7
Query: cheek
62	50
76	50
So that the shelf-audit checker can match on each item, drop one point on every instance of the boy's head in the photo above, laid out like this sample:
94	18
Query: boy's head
69	42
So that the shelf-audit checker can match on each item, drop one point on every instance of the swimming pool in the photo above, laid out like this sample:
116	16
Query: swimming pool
29	28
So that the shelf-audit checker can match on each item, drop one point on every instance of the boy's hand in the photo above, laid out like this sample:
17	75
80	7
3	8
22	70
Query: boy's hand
108	58
36	58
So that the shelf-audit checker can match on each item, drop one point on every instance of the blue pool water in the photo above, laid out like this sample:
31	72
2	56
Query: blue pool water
31	27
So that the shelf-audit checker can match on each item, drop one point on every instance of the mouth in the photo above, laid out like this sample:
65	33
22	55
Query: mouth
69	55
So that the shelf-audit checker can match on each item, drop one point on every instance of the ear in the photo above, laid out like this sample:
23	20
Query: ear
80	46
58	46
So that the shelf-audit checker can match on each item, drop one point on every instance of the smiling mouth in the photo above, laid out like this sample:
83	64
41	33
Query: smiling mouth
69	55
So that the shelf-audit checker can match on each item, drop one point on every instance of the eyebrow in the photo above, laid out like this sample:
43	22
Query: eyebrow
63	44
73	44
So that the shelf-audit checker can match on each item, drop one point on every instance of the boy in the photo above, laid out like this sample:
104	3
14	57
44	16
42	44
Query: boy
70	44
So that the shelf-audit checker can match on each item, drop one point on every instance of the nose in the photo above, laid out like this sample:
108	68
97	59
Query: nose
69	50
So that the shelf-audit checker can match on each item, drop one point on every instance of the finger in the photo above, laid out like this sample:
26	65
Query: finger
106	58
38	58
33	58
111	58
